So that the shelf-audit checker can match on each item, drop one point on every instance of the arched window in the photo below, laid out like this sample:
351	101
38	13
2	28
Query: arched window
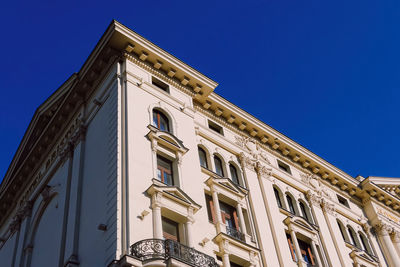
343	231
218	166
278	197
304	211
203	158
160	121
291	204
353	237
234	174
364	242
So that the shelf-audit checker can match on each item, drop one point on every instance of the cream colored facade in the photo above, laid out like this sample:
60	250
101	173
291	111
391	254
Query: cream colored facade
135	161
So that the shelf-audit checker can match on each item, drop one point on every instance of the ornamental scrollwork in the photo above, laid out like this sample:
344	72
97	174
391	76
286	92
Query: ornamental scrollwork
253	148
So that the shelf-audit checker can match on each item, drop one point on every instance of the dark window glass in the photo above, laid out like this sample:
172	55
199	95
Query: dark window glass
229	216
235	265
160	121
353	237
203	158
164	170
343	201
342	231
163	86
278	198
306	252
234	174
304	211
218	166
170	229
210	209
284	167
215	127
290	203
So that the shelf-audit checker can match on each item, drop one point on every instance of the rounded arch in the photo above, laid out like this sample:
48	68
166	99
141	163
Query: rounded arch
219	164
173	126
43	215
305	210
291	203
279	197
204	159
343	231
365	243
353	237
235	173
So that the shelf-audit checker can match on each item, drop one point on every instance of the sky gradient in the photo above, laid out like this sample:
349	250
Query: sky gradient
324	74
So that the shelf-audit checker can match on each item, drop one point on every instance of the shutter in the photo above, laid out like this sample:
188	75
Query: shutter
211	203
291	249
311	256
236	220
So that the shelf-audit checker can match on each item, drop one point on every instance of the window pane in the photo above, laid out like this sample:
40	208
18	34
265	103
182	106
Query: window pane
278	199
203	158
234	174
290	203
218	166
170	229
160	121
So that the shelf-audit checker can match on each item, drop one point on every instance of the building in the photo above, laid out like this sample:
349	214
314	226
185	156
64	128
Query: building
135	161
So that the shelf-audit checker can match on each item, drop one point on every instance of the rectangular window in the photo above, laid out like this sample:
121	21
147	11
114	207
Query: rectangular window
306	253
284	167
210	209
291	247
170	229
343	201
215	127
164	170
163	86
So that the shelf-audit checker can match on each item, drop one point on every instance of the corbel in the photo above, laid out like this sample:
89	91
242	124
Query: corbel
158	64
344	187
143	56
197	88
315	169
285	152
334	180
325	175
352	191
381	197
218	112
264	139
388	202
242	125
129	48
296	157
253	132
306	163
171	73
207	104
185	80
275	145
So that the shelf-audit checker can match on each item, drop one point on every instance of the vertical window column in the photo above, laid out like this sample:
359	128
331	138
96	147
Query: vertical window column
299	257
219	224
157	219
189	231
242	224
316	254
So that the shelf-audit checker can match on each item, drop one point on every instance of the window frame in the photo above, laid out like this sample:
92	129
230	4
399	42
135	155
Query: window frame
156	122
165	170
221	162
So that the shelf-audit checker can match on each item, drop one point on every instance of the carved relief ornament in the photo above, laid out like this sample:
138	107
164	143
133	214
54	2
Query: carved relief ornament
253	148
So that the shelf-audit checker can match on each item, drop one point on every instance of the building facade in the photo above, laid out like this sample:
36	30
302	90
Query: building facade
135	161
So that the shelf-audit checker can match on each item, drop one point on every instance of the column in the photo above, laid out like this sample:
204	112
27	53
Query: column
225	260
314	248
300	261
188	226
157	220
389	249
396	241
217	210
154	147
241	218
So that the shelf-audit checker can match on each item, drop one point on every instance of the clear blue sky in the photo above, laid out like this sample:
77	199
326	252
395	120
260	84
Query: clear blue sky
324	73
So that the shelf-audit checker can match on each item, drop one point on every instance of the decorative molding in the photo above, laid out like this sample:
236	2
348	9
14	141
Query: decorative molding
328	207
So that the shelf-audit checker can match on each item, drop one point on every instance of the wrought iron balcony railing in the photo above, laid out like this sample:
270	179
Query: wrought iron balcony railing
159	249
233	232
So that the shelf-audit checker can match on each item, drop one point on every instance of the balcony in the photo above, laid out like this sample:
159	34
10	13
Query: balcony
159	249
232	232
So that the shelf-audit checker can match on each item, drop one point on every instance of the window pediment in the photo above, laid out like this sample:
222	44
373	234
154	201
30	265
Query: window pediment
300	224
361	257
165	139
226	184
174	193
